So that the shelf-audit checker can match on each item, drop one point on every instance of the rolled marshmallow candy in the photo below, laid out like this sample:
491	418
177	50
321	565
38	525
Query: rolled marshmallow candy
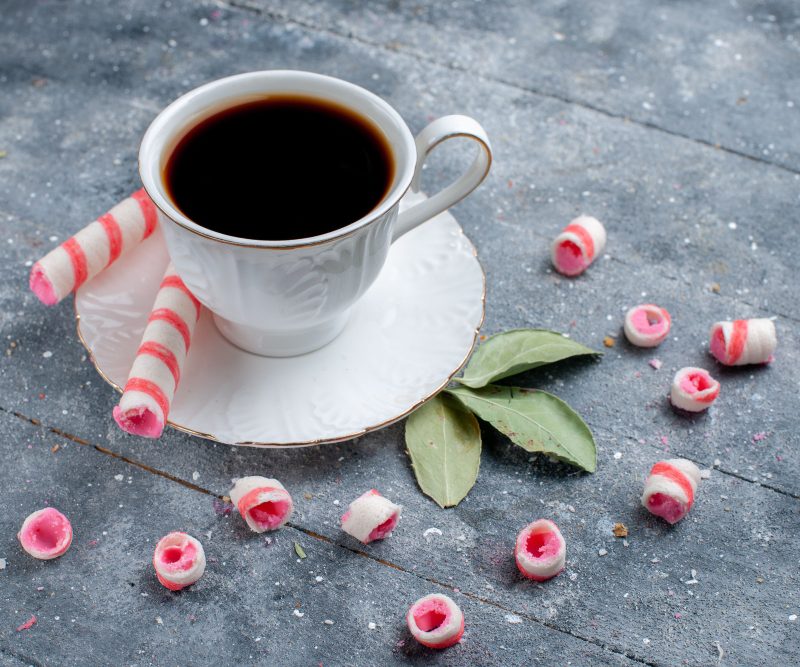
144	406
370	517
670	488
96	246
577	245
647	325
743	342
179	560
435	621
263	502
540	550
46	534
693	389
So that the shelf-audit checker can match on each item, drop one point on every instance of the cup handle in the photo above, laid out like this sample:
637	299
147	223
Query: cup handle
446	127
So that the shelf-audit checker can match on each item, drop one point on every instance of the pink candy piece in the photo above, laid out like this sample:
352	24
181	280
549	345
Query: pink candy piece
693	389
46	534
435	621
92	249
27	625
263	502
540	550
179	560
743	342
670	489
371	517
578	244
647	325
144	406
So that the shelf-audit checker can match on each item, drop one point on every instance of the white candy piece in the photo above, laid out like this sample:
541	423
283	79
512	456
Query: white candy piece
263	502
540	550
743	342
370	517
435	621
647	325
693	389
670	489
578	244
179	560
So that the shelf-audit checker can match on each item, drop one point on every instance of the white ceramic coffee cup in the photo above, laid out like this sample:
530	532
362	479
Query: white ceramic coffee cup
282	298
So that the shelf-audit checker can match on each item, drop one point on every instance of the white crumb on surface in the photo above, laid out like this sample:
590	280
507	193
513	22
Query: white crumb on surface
431	531
705	474
792	617
602	552
2	563
371	625
617	455
159	620
119	478
513	618
195	475
47	354
328	621
317	579
298	613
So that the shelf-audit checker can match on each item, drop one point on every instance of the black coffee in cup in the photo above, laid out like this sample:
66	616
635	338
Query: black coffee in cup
283	167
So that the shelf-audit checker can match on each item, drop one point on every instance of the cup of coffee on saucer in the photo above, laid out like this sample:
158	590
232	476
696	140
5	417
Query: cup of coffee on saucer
279	198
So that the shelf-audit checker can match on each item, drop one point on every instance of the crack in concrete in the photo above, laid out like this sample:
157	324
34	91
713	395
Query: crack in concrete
286	18
21	657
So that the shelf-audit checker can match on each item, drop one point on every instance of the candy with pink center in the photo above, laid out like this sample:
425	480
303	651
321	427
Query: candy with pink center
263	502
743	342
693	389
540	550
96	246
435	621
371	517
46	534
578	244
670	489
647	325
179	560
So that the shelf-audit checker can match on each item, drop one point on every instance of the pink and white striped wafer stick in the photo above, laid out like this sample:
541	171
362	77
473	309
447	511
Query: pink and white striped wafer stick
156	371
96	246
743	342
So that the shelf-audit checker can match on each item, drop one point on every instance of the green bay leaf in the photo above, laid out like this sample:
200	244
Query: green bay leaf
512	352
444	443
534	420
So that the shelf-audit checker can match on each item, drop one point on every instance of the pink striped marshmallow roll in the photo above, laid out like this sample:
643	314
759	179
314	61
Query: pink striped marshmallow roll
743	342
693	389
370	517
179	560
670	489
435	621
46	534
156	371
96	246
263	502
647	325
578	244
540	550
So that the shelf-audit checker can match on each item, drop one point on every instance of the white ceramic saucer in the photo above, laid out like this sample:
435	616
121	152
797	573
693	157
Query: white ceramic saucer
409	334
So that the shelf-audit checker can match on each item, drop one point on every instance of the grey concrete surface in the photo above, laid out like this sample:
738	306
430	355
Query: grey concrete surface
706	232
